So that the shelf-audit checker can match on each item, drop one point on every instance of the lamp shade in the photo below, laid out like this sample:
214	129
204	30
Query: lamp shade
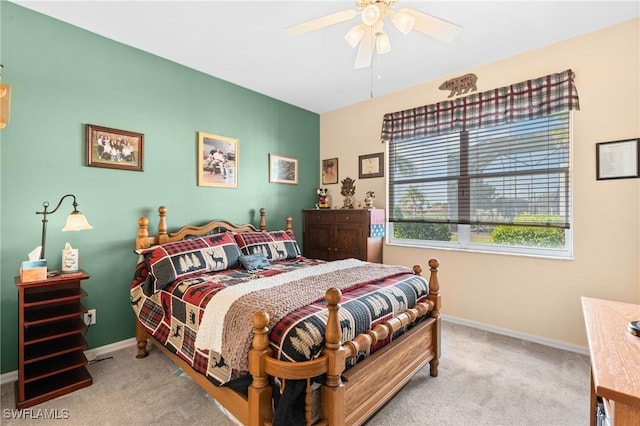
383	44
354	35
403	22
5	104
76	221
370	14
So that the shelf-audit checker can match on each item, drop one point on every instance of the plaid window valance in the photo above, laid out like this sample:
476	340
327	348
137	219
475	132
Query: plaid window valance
522	101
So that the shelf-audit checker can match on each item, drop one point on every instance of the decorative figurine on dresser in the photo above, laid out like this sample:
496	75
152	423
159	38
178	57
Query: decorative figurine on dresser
348	190
368	200
324	201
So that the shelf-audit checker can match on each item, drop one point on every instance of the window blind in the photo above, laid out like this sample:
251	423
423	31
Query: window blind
515	173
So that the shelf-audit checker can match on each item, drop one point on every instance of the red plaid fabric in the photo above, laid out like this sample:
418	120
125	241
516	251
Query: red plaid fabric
275	245
173	314
521	101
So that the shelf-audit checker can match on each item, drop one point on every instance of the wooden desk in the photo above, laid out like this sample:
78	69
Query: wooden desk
615	359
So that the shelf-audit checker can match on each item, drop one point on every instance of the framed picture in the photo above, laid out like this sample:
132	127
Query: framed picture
217	160
329	171
283	169
618	159
114	149
371	165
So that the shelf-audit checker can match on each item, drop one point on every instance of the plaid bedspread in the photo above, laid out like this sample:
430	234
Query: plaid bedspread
172	315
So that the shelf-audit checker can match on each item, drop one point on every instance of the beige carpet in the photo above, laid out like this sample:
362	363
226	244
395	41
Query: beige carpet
485	379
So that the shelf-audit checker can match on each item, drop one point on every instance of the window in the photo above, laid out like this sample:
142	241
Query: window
500	188
488	172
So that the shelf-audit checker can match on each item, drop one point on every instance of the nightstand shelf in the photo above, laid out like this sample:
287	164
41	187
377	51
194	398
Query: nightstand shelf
43	314
51	359
48	331
55	386
55	365
45	296
50	348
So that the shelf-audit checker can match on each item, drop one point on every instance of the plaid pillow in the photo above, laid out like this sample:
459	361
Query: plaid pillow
171	261
276	245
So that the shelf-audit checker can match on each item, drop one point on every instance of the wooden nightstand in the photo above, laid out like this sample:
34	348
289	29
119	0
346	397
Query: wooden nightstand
51	359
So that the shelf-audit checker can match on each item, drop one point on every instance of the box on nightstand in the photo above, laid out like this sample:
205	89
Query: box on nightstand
33	270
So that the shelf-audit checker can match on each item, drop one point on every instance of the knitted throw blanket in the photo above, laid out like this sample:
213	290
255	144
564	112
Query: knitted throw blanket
227	324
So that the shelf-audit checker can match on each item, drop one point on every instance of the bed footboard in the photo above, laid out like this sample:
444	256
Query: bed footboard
351	397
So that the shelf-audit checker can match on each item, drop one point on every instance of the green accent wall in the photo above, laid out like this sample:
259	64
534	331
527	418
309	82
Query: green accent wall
64	78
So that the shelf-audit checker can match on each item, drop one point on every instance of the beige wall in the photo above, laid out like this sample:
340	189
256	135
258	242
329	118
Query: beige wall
535	296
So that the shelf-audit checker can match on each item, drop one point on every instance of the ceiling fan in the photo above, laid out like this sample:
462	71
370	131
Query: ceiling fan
370	32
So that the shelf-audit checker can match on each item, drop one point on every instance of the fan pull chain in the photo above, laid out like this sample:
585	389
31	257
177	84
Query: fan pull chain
371	65
371	81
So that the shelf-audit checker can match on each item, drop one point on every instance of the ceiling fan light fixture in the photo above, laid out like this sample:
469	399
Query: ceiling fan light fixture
383	44
370	14
403	22
354	35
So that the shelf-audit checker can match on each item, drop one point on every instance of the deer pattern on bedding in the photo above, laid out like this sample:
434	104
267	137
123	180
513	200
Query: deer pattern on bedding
173	315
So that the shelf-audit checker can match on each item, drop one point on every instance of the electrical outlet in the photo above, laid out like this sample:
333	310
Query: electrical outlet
90	317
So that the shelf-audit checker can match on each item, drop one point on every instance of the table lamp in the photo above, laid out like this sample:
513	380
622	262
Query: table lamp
76	221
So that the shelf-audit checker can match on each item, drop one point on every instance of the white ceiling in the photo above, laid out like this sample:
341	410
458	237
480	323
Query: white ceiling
244	42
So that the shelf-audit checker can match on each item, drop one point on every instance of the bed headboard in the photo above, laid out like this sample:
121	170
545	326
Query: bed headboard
144	240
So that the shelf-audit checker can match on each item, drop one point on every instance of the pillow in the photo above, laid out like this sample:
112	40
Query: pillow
275	245
171	261
254	262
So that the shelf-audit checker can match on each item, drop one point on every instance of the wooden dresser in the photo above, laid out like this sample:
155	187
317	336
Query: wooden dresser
344	233
615	360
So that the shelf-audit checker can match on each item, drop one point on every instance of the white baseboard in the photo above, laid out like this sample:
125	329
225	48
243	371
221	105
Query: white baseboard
91	354
518	335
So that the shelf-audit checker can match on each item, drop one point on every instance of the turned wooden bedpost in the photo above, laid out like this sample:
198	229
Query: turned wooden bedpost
434	296
260	410
141	339
333	390
162	225
142	241
263	220
289	225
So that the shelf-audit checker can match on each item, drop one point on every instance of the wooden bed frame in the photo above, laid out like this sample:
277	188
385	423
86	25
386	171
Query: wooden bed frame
348	397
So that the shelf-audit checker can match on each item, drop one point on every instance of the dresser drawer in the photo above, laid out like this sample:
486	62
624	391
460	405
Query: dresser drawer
318	216
356	216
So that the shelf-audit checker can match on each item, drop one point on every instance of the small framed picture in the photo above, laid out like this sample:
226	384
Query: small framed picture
329	171
114	149
217	160
618	159
283	169
371	165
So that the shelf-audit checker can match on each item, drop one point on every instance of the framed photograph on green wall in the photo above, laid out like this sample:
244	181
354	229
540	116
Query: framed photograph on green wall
283	169
114	149
217	160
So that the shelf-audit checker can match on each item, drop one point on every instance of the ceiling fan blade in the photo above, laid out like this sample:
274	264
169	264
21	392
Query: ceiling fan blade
432	26
318	23
365	51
